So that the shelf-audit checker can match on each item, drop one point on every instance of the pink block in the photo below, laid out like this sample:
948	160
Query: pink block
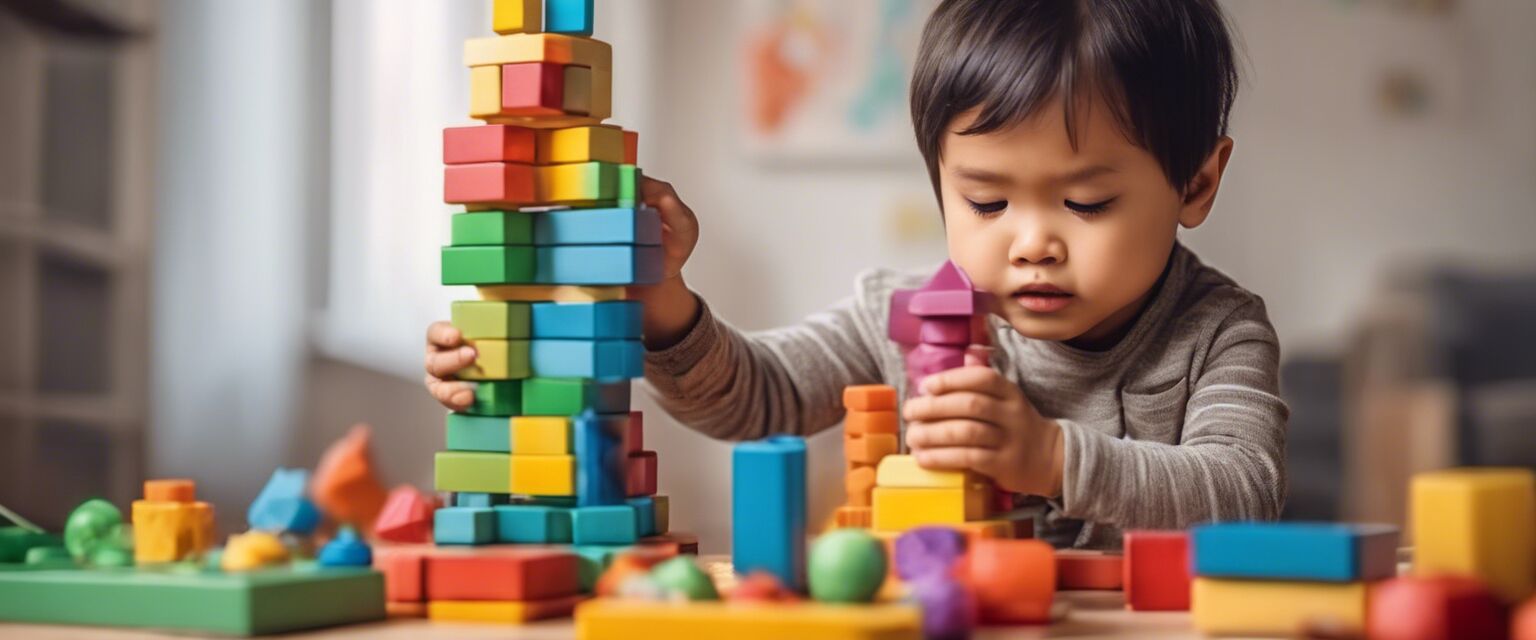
903	327
945	331
927	359
641	477
634	434
488	182
488	143
946	303
406	516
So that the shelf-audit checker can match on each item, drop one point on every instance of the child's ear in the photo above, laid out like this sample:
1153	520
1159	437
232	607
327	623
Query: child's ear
1201	194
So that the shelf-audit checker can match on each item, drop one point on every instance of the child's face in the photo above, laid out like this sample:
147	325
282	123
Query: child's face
1069	241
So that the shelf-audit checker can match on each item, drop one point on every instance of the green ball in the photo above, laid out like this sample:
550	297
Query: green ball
52	556
93	522
681	575
111	555
846	565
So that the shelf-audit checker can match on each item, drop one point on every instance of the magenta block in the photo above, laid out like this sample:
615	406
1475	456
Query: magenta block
948	293
927	359
903	327
945	331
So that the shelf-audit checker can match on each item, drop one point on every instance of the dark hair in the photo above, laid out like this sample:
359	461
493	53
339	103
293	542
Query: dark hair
1166	68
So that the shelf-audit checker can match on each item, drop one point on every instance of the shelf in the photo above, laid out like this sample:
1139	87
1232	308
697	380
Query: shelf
78	242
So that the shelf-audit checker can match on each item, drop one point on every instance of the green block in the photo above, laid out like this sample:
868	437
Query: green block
497	398
473	472
191	600
591	560
571	396
478	319
16	541
479	433
492	227
629	184
508	264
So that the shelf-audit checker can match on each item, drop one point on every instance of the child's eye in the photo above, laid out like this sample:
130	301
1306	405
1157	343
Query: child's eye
985	208
1089	209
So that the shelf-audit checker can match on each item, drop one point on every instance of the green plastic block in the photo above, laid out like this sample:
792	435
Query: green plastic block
479	433
473	472
629	184
191	600
497	398
478	319
16	541
492	227
571	396
488	265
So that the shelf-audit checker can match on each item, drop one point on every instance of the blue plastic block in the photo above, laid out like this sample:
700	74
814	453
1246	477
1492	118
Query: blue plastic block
471	499
533	524
464	525
596	359
645	515
598	226
617	524
571	17
768	508
600	463
1295	551
479	433
591	561
345	550
619	319
594	265
282	505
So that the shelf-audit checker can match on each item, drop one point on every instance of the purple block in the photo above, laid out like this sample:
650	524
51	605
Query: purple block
945	331
927	553
903	327
949	609
948	293
927	359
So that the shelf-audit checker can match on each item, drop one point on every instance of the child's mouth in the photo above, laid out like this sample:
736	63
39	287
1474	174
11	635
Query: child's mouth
1042	298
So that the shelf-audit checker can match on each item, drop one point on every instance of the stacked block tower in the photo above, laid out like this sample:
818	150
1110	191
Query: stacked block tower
870	433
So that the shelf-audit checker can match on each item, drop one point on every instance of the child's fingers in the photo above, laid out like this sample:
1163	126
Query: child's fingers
444	335
953	405
956	459
674	214
454	395
443	364
985	380
953	433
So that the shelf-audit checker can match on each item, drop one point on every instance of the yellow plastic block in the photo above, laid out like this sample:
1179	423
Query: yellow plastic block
581	182
612	619
538	47
497	360
903	471
579	144
899	509
544	475
551	293
541	435
170	531
484	91
502	612
1479	522
1259	607
517	16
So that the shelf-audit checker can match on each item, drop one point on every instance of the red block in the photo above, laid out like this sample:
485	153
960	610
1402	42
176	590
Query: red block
1014	580
1087	570
488	182
406	517
641	478
522	574
488	143
631	147
402	571
1435	608
634	434
1157	570
533	89
1523	627
676	542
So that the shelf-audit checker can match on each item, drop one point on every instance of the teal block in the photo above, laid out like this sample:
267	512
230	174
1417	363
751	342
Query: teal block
1309	551
570	396
533	524
570	17
565	502
482	500
492	228
768	508
479	433
623	225
592	560
597	265
490	265
597	359
645	515
497	398
618	319
615	524
464	525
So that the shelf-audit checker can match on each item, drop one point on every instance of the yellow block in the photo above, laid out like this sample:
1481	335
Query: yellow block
1479	522
484	91
170	531
544	475
606	619
579	182
588	92
900	509
538	47
903	471
552	293
497	360
1275	608
501	611
541	435
580	144
252	550
517	16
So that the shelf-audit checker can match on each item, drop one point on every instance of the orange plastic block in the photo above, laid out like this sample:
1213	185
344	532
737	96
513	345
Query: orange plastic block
406	516
851	517
502	612
859	483
1014	581
488	183
631	147
345	485
871	422
170	490
868	449
403	571
522	574
869	397
1089	570
986	529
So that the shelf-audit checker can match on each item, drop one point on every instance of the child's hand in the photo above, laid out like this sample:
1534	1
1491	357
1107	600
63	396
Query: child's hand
446	355
972	418
670	308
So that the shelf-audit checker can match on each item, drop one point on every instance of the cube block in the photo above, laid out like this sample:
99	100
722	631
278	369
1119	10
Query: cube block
596	359
532	89
864	423
533	524
165	531
903	471
576	183
489	143
517	16
478	433
580	144
473	472
488	265
498	360
899	508
489	183
571	396
598	226
612	524
1439	608
541	435
404	574
868	449
1014	580
1157	570
768	508
1295	551
869	397
600	454
543	475
551	293
497	398
1262	607
1477	522
573	17
640	477
506	574
543	47
478	319
598	264
619	319
464	525
492	228
485	92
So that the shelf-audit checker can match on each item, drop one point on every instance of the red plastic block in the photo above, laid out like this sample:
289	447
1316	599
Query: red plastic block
631	147
1088	570
402	569
522	574
634	433
1434	608
869	397
488	182
533	89
170	490
406	517
1157	570
345	485
488	143
641	474
945	331
1014	580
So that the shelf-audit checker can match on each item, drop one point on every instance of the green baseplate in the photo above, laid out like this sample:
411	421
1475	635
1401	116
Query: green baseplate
189	598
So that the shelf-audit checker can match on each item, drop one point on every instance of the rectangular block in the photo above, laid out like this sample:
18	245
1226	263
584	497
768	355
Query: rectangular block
541	435
864	423
898	509
543	47
484	92
597	226
588	92
616	320
903	471
768	508
488	265
631	148
533	89
473	472
663	506
1089	571
573	17
403	574
571	396
612	524
463	525
645	515
502	612
640	476
489	143
1478	522
634	433
869	397
614	619
498	360
1323	552
629	185
505	574
869	449
576	183
170	490
165	531
490	183
543	475
486	228
479	500
601	475
597	359
580	144
479	433
533	524
497	398
478	319
598	265
1276	608
517	16
551	293
1157	568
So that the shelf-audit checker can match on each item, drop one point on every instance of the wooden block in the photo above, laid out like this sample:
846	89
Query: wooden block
571	396
640	474
463	525
517	16
859	484
945	331
1276	608
478	433
645	515
580	144
498	360
631	147
634	433
600	476
490	183
473	472
488	265
403	571
1014	580
619	319
405	609
170	531
573	17
543	475
541	435
1089	571
1157	570
544	122
614	619
613	524
478	319
898	509
497	398
533	89
170	490
851	517
502	612
1295	551
505	574
542	47
492	228
598	265
551	293
903	471
619	225
1478	522
868	449
489	142
865	423
629	186
1438	608
533	524
576	183
768	508
587	92
596	359
484	92
345	485
869	397
406	517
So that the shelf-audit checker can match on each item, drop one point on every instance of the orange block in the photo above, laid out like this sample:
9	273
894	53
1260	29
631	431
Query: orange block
631	147
1523	627
868	449
869	397
170	490
986	529
851	517
345	485
860	484
1014	580
405	609
870	422
521	574
624	565
1089	570
402	569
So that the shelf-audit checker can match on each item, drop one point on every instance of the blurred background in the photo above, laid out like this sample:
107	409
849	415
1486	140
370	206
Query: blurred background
220	221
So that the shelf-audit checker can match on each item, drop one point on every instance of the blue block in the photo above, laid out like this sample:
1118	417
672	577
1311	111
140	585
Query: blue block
600	463
597	265
597	226
768	508
282	505
619	319
533	524
467	432
345	550
645	515
1323	552
617	524
596	359
571	17
468	499
464	525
